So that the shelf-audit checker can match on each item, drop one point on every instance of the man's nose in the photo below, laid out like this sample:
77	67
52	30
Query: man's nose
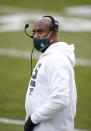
36	35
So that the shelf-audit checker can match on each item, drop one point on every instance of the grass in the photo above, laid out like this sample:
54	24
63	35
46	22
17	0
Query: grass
9	127
45	5
81	41
8	40
83	118
14	78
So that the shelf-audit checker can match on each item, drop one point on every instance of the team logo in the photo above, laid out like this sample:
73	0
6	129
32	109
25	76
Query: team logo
42	44
33	78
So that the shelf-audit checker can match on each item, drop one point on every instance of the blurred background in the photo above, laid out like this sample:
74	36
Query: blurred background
15	47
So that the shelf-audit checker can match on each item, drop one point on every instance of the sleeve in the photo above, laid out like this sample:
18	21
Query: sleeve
58	77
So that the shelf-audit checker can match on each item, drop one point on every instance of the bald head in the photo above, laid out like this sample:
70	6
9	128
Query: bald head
44	22
47	20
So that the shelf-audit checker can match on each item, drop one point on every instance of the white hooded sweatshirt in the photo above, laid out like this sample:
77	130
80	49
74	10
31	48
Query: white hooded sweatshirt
51	95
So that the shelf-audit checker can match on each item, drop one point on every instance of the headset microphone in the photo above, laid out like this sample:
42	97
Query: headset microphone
25	30
26	26
31	36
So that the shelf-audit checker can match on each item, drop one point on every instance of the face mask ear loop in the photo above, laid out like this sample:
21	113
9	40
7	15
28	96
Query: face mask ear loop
31	59
49	34
51	40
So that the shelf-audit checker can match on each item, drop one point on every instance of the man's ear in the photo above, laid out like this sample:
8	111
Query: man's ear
53	34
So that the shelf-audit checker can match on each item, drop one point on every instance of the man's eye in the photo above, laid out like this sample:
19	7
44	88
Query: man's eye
40	32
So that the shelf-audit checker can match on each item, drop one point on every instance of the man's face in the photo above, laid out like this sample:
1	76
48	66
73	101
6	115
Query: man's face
41	29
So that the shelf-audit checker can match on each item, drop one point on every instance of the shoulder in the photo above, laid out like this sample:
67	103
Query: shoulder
57	64
57	58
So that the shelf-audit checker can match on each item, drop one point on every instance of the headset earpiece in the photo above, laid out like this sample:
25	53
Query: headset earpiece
54	28
55	23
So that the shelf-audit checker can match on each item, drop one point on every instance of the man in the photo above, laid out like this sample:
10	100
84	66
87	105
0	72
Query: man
51	95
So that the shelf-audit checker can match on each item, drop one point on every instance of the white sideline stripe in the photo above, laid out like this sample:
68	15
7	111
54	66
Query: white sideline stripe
27	54
16	22
11	121
19	122
18	53
83	62
79	10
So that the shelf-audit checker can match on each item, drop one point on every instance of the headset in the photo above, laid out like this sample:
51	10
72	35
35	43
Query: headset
55	23
53	27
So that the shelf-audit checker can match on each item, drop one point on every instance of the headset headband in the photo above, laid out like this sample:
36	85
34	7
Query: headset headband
55	23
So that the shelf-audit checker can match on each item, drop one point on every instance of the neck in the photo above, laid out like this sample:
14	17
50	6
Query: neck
54	40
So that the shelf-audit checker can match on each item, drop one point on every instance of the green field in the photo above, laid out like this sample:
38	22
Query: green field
15	72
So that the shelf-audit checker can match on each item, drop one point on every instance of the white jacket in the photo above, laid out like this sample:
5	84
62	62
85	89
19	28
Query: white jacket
51	95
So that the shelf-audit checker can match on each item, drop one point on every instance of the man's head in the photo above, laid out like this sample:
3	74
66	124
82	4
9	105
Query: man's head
46	27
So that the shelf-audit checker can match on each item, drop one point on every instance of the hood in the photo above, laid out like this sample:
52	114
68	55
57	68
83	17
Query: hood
63	48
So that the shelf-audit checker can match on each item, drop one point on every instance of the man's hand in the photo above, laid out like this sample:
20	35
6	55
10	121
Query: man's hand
29	125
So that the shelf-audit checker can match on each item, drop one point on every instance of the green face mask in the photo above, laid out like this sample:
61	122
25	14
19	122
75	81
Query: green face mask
41	44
